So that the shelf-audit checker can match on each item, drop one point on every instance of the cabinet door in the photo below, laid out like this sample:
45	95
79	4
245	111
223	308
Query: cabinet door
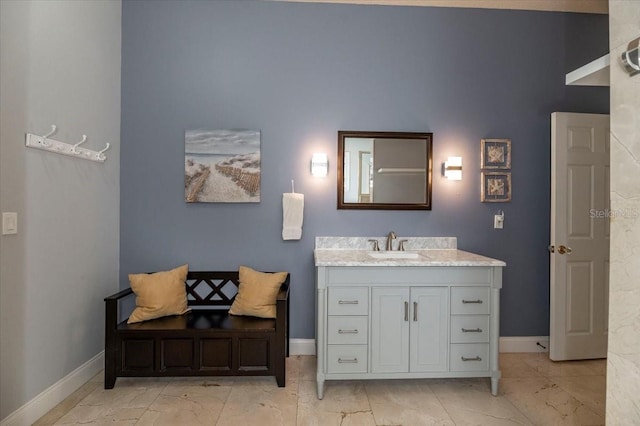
429	329
390	329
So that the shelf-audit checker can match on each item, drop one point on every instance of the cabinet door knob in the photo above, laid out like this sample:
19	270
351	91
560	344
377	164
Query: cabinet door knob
471	330
355	331
471	301
348	361
415	311
406	311
347	302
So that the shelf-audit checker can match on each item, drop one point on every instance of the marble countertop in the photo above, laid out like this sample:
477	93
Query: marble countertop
432	251
429	257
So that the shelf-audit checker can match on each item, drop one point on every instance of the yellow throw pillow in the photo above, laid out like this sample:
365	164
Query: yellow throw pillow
159	294
257	293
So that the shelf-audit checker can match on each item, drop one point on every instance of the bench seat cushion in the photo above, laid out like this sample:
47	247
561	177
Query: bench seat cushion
203	319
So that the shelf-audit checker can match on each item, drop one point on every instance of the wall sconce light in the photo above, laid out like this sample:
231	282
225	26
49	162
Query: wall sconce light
453	168
319	165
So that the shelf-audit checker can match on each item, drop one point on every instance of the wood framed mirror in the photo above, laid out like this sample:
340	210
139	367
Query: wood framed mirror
384	170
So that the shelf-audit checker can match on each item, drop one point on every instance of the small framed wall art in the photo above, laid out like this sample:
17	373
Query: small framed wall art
496	187
495	154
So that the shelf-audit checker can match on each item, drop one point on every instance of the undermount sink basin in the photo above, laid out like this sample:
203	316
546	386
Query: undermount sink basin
393	255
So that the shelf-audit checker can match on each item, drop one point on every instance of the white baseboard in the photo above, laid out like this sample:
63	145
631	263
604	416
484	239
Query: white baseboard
55	394
302	346
524	344
507	344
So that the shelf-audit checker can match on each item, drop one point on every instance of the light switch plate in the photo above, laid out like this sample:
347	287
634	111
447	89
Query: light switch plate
498	221
9	223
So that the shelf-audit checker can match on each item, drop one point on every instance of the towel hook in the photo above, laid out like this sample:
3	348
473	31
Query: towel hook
100	155
44	138
74	148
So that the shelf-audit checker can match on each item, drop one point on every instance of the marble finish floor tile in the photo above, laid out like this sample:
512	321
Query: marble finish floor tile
543	402
67	405
533	391
187	403
543	365
308	368
405	402
514	365
344	403
469	402
251	404
589	390
124	404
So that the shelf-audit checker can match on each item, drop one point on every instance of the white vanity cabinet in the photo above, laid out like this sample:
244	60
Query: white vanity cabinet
395	322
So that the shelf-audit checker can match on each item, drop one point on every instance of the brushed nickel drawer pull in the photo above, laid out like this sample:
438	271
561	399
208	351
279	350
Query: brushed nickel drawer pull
348	361
471	301
354	331
406	311
477	358
415	311
471	330
347	302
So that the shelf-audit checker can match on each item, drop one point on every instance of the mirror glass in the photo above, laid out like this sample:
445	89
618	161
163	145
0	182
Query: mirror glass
384	170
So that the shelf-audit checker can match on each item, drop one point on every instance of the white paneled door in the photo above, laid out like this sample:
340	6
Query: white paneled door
579	246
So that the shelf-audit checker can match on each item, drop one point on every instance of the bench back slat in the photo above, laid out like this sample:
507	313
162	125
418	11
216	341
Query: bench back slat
214	288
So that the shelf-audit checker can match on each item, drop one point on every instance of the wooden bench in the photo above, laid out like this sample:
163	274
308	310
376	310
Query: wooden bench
207	341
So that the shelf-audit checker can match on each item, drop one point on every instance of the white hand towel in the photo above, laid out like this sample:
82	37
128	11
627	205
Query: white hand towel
292	211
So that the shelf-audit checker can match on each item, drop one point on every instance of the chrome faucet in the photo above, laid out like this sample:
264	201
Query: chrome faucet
390	237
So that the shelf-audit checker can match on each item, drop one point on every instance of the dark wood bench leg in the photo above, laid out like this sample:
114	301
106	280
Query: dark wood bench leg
288	336
110	343
281	342
109	380
281	373
280	360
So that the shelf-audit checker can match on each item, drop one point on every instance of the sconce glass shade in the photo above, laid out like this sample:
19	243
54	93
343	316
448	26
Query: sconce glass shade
453	168
319	165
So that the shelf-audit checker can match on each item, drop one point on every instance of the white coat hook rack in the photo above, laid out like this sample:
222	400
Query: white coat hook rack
51	132
72	150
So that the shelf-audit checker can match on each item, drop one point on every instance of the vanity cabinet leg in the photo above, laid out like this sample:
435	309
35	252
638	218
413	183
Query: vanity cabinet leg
494	387
320	384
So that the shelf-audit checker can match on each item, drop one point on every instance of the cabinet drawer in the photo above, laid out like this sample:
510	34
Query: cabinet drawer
348	301
347	358
469	328
469	300
347	330
469	357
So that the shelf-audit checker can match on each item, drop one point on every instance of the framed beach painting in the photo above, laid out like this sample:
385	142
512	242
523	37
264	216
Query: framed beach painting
222	166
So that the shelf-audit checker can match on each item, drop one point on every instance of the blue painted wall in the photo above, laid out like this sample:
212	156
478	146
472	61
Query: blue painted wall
301	72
